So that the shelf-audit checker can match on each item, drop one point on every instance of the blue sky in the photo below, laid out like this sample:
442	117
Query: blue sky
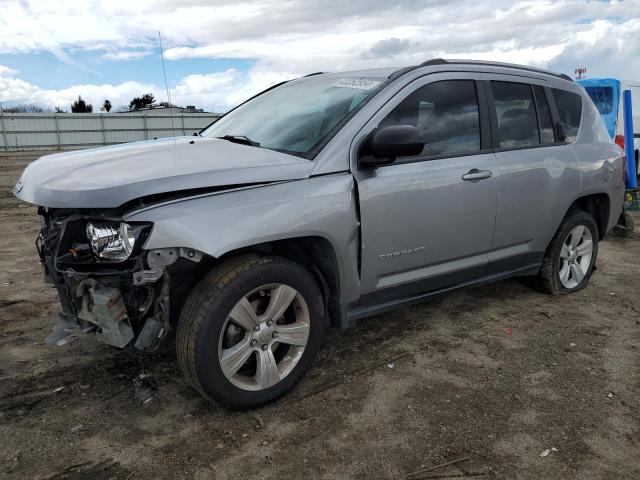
219	54
49	72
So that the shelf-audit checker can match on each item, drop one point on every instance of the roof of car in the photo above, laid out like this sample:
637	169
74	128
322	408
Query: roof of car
370	72
439	62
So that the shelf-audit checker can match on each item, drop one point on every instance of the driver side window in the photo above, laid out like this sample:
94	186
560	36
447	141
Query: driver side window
447	115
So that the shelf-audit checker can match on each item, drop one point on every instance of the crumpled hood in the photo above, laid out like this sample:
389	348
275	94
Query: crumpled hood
110	176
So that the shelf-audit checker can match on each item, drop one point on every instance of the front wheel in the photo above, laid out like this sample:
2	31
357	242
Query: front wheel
571	255
249	330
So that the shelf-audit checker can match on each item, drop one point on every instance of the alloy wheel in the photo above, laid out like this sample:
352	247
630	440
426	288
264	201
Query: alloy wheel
575	256
264	337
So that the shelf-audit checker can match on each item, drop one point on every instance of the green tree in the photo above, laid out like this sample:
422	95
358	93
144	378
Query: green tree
144	101
107	106
24	108
80	106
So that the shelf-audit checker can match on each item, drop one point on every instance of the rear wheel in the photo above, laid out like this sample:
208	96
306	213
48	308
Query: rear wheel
249	330
571	255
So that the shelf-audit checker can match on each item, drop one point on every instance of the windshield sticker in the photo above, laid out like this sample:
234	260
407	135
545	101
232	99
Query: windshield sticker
359	83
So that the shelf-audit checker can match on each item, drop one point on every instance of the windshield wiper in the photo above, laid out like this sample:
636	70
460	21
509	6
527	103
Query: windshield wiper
241	139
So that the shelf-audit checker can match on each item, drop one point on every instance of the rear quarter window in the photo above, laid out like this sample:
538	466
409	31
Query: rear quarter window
570	110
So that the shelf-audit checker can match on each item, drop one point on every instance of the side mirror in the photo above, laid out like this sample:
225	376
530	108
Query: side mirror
561	132
387	143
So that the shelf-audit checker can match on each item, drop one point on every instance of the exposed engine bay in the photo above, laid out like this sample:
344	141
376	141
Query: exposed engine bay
107	282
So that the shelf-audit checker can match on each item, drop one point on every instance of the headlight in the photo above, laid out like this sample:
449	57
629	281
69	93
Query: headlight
111	241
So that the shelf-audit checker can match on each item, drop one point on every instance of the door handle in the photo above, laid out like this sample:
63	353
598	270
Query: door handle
475	174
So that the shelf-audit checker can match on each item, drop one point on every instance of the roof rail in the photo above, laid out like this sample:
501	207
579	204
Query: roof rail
312	74
401	72
442	61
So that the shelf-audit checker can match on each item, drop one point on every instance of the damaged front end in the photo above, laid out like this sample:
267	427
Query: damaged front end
105	280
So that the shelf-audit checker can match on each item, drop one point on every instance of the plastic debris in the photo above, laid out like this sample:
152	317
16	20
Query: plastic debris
59	389
573	344
610	395
546	452
143	388
63	341
391	365
259	423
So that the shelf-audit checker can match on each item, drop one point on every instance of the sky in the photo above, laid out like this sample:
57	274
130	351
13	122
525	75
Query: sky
219	53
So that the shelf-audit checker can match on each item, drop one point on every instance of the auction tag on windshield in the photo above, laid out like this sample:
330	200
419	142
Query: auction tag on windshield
359	83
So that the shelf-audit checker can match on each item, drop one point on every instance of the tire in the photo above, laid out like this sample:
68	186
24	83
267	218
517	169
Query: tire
627	231
563	254
240	367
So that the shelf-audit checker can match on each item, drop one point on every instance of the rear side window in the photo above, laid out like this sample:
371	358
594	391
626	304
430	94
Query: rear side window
446	113
516	114
570	110
544	115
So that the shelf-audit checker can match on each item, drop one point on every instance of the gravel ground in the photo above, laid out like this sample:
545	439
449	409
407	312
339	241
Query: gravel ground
492	377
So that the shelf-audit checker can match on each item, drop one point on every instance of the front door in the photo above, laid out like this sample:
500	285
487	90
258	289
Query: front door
428	220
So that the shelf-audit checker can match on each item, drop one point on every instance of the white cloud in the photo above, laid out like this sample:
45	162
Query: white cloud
124	55
15	90
7	72
215	92
295	37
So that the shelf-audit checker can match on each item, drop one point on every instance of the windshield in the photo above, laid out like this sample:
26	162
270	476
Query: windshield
297	116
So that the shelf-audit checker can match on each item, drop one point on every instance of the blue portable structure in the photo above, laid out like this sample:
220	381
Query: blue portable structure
605	93
613	98
631	175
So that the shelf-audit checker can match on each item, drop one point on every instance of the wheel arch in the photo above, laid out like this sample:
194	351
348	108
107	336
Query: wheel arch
316	254
596	204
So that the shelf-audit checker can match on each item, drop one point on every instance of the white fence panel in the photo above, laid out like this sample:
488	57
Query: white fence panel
26	131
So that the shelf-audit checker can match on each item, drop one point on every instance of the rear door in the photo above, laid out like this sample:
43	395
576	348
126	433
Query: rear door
427	220
539	176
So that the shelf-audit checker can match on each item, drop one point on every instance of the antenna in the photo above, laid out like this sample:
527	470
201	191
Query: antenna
166	86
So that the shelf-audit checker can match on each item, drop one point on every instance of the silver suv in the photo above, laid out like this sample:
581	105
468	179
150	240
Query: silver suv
321	201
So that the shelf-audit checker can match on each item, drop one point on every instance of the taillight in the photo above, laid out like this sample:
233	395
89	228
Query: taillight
620	142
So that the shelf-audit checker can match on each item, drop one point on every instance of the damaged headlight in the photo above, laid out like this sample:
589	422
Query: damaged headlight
111	241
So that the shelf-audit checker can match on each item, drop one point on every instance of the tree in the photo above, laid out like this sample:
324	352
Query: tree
59	110
25	108
80	106
144	101
107	106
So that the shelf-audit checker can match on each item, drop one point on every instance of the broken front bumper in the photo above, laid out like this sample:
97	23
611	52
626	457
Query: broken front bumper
125	303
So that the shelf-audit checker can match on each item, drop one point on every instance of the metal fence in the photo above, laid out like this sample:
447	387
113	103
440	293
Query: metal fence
32	131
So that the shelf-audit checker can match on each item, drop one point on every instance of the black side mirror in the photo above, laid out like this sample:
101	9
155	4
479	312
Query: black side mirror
387	143
561	132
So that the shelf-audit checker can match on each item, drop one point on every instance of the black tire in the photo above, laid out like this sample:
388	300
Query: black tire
549	278
627	231
205	312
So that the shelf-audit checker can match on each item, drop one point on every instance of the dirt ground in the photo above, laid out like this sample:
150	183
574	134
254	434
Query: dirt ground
493	376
